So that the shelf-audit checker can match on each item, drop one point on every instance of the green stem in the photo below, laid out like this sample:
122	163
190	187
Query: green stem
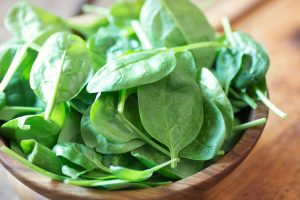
51	103
158	167
15	64
143	137
141	35
95	10
22	108
228	31
269	104
94	183
29	165
251	124
245	97
198	46
122	100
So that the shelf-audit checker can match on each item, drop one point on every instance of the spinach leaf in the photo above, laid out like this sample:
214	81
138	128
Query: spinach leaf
9	112
122	160
95	140
171	109
211	136
114	125
151	157
65	57
213	91
131	70
110	42
31	127
80	155
169	24
42	156
72	172
31	23
137	175
70	132
82	101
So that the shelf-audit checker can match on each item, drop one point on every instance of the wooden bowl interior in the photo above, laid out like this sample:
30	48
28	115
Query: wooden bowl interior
183	189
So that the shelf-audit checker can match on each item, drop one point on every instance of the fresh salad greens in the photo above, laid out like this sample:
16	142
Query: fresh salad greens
145	95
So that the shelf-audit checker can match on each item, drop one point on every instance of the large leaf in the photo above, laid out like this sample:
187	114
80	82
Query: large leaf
171	109
214	92
30	23
62	60
169	24
96	140
133	70
211	136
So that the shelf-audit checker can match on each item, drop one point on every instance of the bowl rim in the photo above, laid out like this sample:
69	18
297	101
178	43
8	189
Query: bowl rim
198	182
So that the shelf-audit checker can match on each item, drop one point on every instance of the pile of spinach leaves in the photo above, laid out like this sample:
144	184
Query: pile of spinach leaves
147	95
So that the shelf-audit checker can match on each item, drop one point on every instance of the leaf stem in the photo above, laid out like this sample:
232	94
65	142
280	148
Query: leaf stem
158	167
29	165
22	108
94	183
143	137
228	31
141	35
245	97
251	124
122	100
198	45
15	64
51	103
269	104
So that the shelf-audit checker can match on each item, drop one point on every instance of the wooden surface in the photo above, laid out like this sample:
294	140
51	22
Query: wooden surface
273	170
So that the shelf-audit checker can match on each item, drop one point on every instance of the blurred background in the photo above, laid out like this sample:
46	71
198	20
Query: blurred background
272	171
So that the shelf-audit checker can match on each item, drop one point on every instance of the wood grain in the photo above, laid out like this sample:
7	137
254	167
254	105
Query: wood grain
183	189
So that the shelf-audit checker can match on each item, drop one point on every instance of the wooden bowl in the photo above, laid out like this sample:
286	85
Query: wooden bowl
188	188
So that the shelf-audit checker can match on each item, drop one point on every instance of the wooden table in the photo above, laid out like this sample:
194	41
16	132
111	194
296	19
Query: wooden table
272	171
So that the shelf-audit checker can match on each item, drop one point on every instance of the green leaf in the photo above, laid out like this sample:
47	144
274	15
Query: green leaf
123	12
80	155
71	172
110	42
42	156
95	140
211	136
133	70
31	127
83	101
151	157
171	109
30	23
63	58
169	24
70	132
213	91
9	112
137	175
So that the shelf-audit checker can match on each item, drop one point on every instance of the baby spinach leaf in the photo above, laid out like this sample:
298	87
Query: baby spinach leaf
9	112
132	70
211	136
71	172
83	101
108	43
80	155
171	109
123	12
213	91
42	156
137	175
169	24
113	125
95	140
31	23
65	57
16	148
122	160
70	132
35	127
151	157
